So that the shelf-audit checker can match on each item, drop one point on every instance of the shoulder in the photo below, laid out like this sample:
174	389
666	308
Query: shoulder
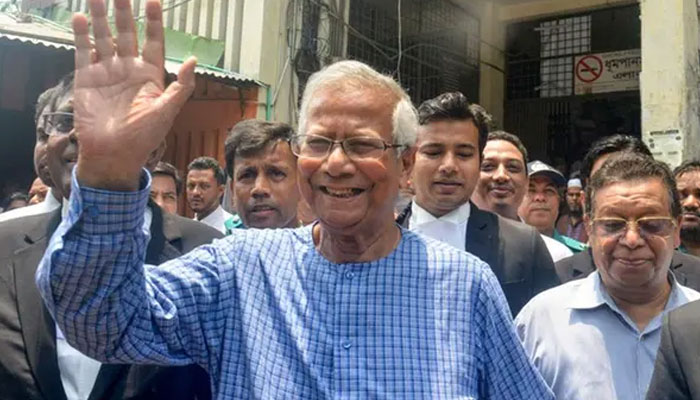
685	318
687	260
549	303
191	229
39	225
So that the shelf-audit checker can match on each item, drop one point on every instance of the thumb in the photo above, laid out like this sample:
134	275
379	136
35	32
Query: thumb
177	93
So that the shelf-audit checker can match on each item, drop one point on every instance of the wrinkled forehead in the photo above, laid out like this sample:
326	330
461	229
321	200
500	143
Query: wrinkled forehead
502	151
351	107
637	197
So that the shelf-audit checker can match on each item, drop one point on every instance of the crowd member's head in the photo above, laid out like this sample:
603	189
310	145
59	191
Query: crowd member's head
166	186
540	206
503	180
574	197
605	147
688	184
45	104
56	122
205	185
38	191
633	215
357	127
451	137
17	200
263	174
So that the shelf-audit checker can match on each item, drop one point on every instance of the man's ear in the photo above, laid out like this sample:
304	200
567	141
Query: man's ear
408	159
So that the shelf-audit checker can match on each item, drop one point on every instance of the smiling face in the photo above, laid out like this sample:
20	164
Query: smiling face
631	261
540	206
265	187
62	150
351	197
446	166
503	180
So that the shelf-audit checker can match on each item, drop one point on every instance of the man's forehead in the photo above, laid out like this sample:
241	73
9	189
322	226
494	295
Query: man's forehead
275	153
632	196
502	150
690	178
542	180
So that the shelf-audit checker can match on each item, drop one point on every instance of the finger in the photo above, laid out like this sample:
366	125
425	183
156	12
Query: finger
176	95
154	48
104	45
127	42
83	47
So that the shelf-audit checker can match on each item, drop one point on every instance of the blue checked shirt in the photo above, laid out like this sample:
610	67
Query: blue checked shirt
270	318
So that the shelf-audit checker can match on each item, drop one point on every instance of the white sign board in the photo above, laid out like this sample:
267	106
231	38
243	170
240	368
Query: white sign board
607	72
666	146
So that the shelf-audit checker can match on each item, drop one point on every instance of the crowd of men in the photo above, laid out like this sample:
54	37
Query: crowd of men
379	251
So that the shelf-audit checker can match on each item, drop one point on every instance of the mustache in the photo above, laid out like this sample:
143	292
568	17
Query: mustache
694	212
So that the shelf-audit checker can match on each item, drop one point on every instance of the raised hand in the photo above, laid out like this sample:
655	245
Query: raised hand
122	109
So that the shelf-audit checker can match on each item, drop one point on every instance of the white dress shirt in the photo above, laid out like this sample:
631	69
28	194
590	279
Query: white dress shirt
586	347
556	249
451	228
78	371
49	204
216	219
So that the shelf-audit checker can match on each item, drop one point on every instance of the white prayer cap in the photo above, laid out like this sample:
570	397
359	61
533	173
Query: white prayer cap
574	183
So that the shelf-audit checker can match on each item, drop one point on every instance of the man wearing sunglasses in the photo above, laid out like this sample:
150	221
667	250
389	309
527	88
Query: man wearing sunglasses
36	360
685	268
597	337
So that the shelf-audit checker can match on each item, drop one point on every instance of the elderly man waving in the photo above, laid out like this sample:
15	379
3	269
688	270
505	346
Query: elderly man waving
350	307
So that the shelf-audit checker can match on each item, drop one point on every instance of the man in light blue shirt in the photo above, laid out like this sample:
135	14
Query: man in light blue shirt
597	338
350	307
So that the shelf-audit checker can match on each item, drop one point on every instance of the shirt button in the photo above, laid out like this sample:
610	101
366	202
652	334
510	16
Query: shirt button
349	275
347	345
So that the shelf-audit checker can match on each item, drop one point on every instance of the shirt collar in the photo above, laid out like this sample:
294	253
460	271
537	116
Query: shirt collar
457	216
591	293
215	215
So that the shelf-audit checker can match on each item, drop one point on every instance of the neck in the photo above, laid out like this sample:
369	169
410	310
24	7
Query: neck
293	223
341	248
643	304
547	231
204	214
692	248
575	219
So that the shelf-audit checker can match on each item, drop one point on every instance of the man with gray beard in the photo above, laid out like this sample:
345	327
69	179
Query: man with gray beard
688	184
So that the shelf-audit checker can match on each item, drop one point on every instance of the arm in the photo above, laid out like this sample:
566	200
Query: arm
668	381
114	308
507	370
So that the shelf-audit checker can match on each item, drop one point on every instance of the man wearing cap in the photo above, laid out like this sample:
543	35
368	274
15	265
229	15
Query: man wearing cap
571	224
540	206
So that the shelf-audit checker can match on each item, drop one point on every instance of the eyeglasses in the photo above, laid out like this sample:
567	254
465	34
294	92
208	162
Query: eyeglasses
648	227
356	148
58	123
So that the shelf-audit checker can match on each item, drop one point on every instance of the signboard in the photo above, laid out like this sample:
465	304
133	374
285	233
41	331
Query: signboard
32	4
607	72
666	146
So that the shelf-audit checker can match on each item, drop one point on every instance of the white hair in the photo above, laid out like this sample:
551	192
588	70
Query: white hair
404	120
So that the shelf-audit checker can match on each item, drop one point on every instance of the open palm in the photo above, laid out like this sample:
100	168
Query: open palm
122	109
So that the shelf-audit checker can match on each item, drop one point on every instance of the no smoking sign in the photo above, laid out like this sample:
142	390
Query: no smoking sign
589	69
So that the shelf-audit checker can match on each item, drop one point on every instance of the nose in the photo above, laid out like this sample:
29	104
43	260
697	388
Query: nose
500	174
261	189
448	165
538	196
631	237
338	163
691	203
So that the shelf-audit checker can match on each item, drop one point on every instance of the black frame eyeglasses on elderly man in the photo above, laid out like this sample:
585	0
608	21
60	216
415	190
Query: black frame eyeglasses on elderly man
647	227
356	148
60	123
